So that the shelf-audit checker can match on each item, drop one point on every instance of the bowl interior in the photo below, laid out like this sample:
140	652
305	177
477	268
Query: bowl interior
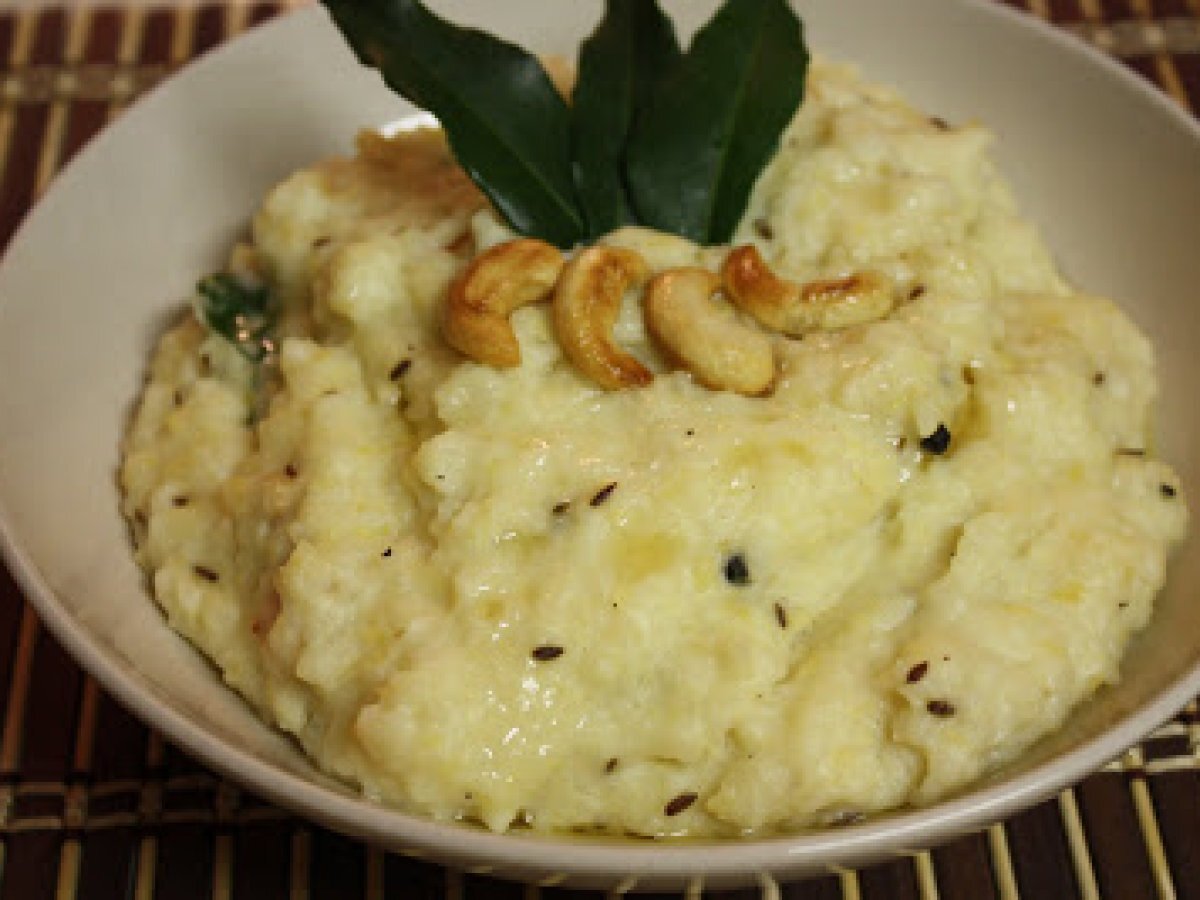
1104	165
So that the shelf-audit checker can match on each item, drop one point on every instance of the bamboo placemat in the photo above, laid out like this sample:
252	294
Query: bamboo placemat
94	805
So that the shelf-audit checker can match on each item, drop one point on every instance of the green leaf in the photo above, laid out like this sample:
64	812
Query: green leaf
506	124
620	65
716	120
242	314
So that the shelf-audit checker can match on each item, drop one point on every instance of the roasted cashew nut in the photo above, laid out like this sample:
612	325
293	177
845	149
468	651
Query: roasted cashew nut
723	353
498	281
795	309
587	302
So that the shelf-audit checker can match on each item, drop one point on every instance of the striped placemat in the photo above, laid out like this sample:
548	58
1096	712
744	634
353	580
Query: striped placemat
95	805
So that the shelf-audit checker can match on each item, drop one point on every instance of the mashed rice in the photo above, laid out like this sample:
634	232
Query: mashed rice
513	597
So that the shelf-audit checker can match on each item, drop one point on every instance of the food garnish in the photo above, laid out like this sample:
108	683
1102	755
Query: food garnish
657	137
619	68
587	301
241	312
796	309
708	131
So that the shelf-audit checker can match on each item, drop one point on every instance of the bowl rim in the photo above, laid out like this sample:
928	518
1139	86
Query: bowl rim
901	832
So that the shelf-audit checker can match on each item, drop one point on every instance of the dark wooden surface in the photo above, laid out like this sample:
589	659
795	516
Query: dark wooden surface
94	805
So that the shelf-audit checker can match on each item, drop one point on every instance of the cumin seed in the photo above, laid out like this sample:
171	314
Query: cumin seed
781	615
603	494
943	709
546	652
206	573
917	672
399	370
680	803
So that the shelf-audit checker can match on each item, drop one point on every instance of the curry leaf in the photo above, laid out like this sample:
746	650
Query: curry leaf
507	125
714	122
619	66
242	314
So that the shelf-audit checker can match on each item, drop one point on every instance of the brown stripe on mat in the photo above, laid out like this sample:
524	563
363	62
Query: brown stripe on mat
1170	8
964	869
156	42
210	27
8	28
108	864
743	894
28	126
184	868
12	607
493	889
261	861
30	866
261	12
338	866
816	889
1115	10
412	879
1040	856
50	38
894	880
1065	11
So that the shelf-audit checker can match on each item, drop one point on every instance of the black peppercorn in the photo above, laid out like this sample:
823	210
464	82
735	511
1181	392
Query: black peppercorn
938	442
736	570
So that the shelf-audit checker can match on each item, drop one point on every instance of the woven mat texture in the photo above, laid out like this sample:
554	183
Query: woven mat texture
94	805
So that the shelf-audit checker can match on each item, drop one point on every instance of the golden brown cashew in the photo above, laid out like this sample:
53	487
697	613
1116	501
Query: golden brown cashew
721	352
496	282
795	309
586	304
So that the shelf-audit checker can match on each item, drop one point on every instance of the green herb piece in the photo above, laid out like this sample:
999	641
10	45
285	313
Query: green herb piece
671	141
242	314
619	67
505	122
716	120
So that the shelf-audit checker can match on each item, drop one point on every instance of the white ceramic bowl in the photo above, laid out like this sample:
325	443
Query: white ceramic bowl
1105	165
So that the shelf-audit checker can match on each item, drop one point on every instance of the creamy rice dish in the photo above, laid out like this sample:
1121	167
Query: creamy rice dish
512	596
